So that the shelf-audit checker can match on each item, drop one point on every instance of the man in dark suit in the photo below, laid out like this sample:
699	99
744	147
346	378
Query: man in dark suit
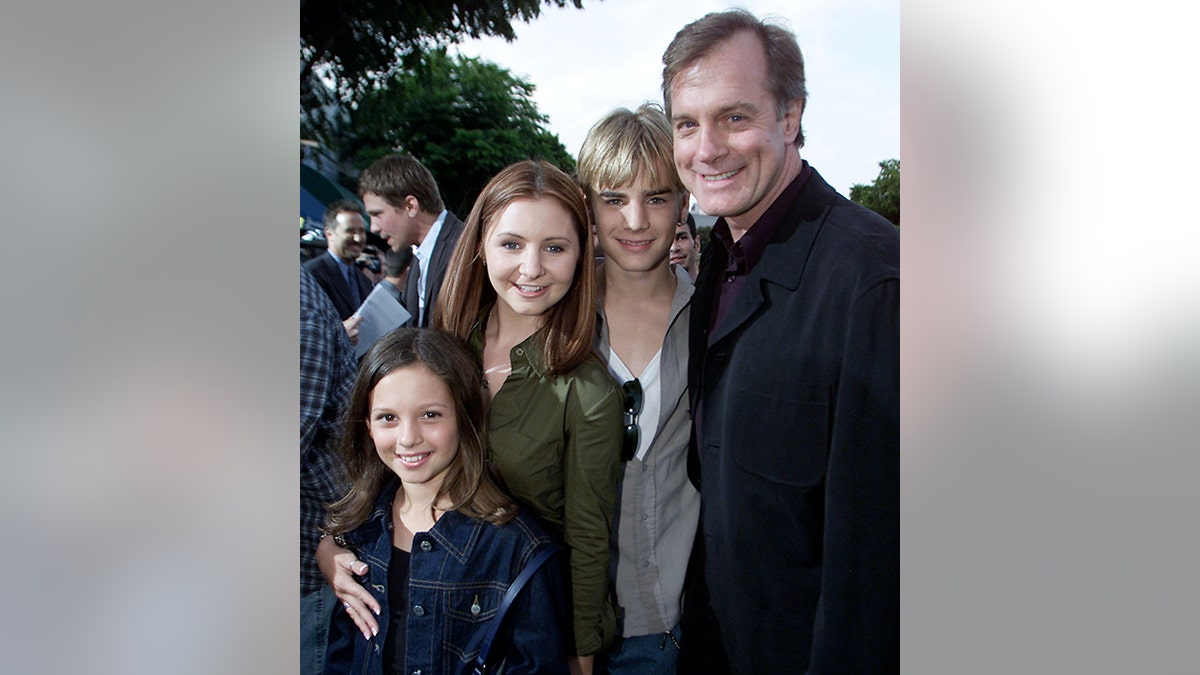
794	375
342	281
406	208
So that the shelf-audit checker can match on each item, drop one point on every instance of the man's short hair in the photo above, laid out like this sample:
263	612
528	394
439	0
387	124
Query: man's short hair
625	144
394	261
395	177
691	223
340	206
785	64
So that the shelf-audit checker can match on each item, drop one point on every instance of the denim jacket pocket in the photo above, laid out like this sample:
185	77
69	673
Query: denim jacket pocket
469	612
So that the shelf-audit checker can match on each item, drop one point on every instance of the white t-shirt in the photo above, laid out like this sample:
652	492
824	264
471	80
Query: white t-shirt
647	420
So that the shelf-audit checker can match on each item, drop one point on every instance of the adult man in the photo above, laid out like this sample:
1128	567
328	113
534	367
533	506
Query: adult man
685	252
794	373
327	367
342	281
406	209
636	198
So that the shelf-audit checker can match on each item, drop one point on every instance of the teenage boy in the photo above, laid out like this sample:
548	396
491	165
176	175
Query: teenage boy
637	200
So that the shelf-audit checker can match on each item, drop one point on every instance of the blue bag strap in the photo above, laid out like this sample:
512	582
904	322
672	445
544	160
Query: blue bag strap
484	662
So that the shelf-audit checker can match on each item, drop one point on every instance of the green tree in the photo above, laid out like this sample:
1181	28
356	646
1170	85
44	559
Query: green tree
357	43
464	118
882	196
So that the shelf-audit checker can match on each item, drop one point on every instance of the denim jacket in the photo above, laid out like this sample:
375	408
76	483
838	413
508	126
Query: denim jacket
458	573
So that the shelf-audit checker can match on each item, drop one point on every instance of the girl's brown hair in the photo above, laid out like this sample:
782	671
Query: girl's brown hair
569	328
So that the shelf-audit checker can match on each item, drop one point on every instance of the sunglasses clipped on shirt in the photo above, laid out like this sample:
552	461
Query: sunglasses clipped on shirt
633	408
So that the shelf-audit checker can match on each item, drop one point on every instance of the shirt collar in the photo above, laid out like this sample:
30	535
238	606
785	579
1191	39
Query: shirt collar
745	253
341	263
425	250
525	357
684	287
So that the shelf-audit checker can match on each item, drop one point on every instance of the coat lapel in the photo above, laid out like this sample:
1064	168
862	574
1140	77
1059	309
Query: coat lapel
338	281
673	364
443	249
445	245
785	257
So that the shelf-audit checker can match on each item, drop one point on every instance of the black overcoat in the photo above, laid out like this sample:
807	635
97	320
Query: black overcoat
799	471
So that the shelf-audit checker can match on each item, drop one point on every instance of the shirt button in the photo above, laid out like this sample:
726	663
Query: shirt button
418	610
426	546
520	352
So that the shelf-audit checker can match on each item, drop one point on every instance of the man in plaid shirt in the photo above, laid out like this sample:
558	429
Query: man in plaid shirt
327	369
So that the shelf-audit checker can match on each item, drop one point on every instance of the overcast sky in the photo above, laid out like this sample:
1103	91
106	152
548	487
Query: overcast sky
609	54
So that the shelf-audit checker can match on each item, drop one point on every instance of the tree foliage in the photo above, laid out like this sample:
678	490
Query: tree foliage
464	118
882	196
358	43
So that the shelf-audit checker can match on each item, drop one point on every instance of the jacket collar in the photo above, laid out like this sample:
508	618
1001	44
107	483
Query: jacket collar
798	231
684	288
456	533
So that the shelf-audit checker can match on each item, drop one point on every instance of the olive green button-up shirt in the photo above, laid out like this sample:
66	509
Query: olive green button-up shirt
556	444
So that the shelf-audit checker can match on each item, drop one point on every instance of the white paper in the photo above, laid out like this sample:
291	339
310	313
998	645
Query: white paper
381	313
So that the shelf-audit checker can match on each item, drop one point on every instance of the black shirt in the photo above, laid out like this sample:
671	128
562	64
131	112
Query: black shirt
393	646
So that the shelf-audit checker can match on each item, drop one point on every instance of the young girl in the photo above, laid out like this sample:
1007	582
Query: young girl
521	292
442	541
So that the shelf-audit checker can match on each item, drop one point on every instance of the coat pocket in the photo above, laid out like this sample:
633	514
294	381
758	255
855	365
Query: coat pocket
781	432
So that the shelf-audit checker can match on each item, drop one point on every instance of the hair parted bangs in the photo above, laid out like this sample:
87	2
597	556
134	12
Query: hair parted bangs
568	329
625	145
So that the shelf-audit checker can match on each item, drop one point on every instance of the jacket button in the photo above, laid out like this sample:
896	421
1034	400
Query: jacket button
418	610
426	546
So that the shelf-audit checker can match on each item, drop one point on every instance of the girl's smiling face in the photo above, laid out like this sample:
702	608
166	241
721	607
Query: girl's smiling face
413	423
531	252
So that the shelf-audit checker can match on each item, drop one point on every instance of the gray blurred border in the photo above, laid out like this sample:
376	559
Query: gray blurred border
149	168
